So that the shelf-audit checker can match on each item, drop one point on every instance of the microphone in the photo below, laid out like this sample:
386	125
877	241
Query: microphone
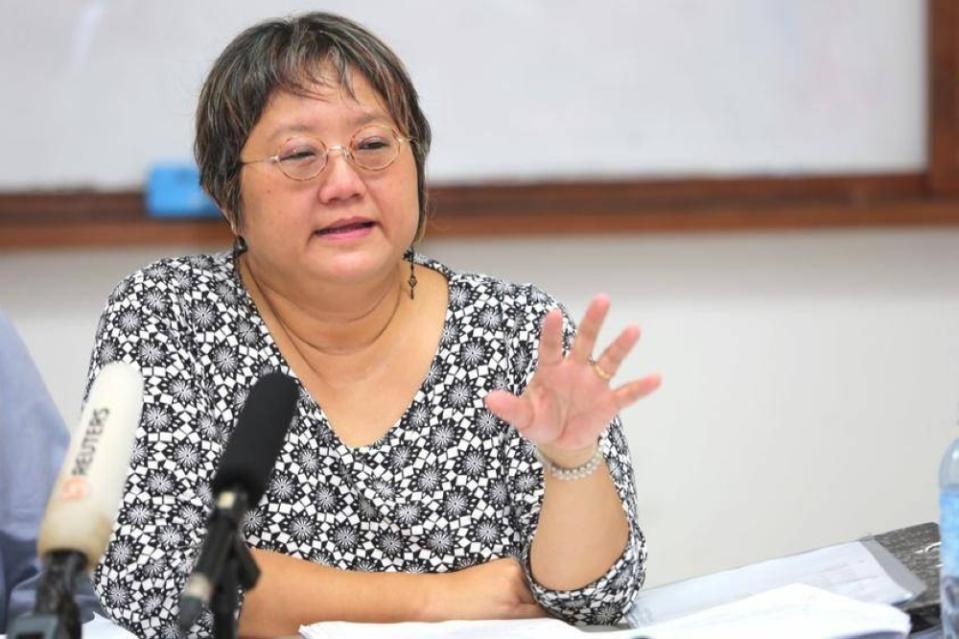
86	497
239	482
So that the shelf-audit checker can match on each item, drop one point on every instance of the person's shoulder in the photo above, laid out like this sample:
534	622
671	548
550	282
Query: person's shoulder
173	278
469	289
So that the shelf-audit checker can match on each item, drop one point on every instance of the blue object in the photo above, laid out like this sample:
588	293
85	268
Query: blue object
173	190
949	536
33	443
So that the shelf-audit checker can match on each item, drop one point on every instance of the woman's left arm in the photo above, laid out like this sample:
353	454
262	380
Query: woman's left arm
583	528
568	410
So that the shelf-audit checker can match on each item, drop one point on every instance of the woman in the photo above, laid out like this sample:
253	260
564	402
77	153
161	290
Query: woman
446	459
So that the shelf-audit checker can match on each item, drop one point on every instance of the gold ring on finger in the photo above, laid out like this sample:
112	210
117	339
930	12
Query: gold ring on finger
602	372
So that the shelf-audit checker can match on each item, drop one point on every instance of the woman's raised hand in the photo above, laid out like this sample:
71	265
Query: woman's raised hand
569	401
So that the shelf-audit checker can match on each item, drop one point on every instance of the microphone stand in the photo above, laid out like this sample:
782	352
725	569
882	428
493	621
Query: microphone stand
225	566
55	614
240	571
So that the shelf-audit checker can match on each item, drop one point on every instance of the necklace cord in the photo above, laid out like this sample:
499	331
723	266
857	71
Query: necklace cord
324	351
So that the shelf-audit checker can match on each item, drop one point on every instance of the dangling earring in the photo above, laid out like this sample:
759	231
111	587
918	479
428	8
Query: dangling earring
239	245
412	280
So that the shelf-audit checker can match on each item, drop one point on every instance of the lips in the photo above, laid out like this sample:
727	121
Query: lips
347	225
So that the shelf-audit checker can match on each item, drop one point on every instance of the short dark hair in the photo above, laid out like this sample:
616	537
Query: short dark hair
290	54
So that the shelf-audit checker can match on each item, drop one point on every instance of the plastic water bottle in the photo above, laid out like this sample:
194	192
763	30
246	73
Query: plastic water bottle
949	534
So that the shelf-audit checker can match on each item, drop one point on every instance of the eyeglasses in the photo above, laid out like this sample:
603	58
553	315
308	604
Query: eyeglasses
372	148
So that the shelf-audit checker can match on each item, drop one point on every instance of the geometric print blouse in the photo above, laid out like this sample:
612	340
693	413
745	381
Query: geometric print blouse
448	486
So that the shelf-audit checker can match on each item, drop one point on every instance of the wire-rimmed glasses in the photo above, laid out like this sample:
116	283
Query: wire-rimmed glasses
372	148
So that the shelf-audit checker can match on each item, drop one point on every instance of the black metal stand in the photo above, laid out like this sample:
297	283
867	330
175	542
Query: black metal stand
55	614
240	571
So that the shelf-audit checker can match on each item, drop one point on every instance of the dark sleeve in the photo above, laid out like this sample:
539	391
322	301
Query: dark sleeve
166	498
608	599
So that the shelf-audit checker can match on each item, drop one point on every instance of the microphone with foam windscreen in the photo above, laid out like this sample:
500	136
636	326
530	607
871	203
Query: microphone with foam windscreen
224	562
83	505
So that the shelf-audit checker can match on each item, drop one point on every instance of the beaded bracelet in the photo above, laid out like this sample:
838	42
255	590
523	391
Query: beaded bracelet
569	474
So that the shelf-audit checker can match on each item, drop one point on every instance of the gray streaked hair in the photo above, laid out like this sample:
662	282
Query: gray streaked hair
291	54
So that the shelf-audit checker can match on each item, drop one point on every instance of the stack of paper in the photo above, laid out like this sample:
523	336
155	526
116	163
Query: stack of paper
512	629
796	611
846	569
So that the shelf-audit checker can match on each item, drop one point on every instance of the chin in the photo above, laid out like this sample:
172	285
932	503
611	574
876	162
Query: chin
353	266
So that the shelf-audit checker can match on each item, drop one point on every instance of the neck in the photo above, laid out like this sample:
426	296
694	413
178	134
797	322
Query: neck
329	321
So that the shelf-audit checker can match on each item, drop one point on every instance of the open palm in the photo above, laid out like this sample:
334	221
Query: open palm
569	401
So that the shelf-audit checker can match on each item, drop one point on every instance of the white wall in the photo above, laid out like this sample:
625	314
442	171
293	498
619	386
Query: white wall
811	379
96	90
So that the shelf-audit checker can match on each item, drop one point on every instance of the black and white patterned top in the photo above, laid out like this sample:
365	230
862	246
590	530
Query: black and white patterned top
448	486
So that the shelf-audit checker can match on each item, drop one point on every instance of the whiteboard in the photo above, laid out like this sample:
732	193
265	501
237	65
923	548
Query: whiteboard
94	91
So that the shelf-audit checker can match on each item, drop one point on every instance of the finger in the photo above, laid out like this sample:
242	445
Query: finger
551	339
514	410
612	358
589	328
631	392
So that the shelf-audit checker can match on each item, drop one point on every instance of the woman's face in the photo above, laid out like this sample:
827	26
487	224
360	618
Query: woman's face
289	225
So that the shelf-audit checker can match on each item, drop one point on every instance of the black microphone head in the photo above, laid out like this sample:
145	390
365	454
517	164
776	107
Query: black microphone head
256	441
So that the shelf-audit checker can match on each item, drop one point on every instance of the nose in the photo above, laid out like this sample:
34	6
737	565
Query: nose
340	181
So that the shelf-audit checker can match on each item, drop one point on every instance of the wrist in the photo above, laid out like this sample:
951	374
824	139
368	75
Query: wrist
428	602
565	458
